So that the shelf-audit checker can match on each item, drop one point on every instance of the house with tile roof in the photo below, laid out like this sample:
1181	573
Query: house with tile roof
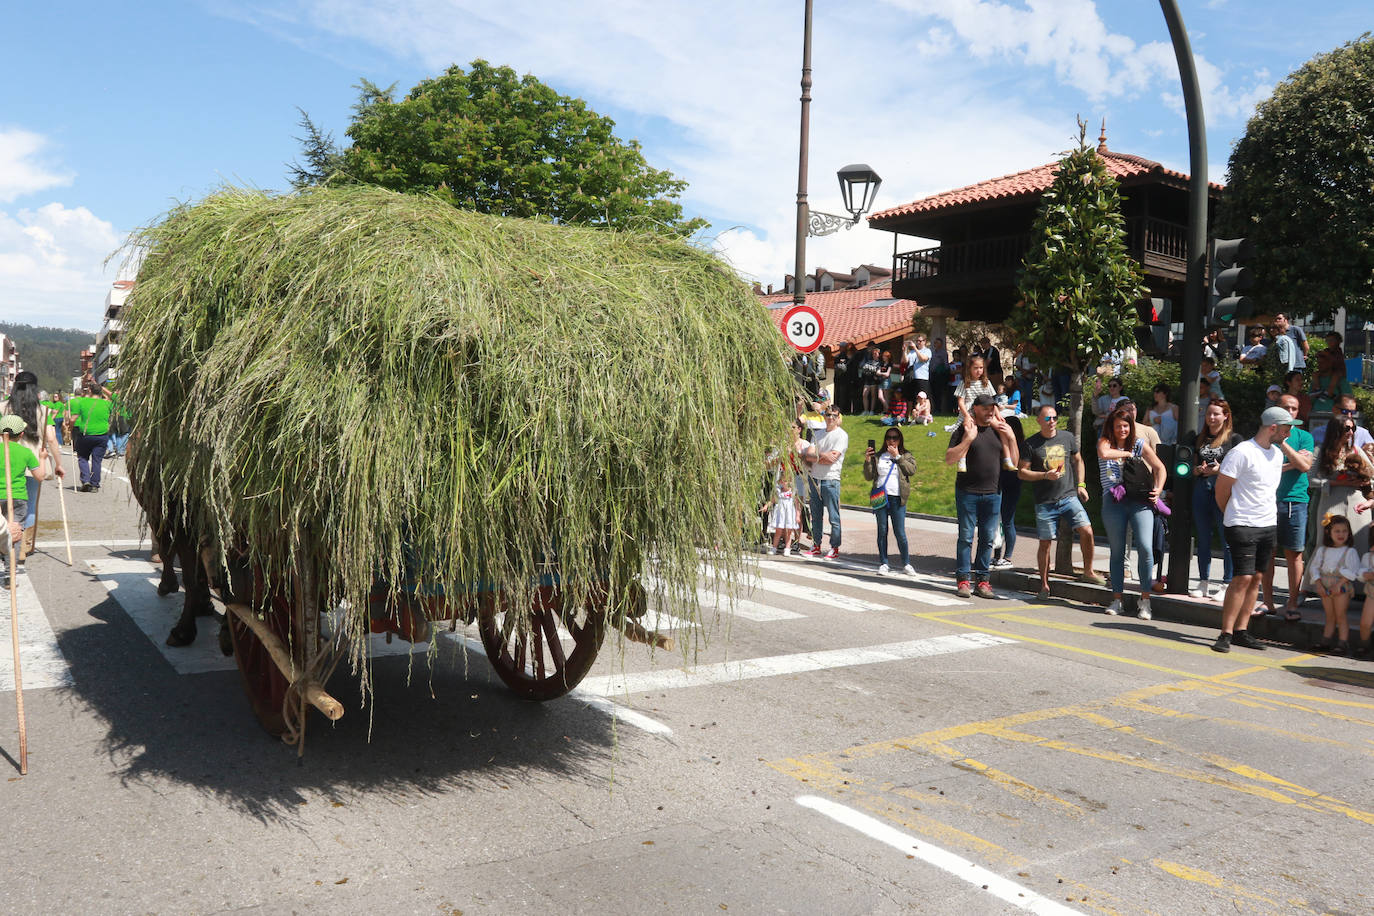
983	232
855	315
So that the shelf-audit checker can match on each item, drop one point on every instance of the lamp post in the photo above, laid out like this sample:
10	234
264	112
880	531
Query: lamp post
853	178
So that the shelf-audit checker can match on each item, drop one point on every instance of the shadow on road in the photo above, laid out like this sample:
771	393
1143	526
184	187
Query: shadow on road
426	731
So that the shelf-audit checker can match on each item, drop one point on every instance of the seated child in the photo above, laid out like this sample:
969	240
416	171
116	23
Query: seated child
1010	398
921	413
896	410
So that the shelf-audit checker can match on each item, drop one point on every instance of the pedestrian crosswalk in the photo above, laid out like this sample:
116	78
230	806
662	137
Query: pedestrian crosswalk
772	591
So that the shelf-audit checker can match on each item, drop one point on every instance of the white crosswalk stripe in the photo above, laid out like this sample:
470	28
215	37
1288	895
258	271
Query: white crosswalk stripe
754	585
892	587
40	660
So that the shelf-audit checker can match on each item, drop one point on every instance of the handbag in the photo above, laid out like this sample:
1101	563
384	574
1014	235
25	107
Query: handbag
1136	477
877	497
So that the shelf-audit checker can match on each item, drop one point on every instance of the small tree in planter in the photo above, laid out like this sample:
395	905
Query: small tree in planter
1078	284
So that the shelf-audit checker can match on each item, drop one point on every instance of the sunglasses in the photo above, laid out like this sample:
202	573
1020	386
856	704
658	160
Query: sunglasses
1049	417
1349	413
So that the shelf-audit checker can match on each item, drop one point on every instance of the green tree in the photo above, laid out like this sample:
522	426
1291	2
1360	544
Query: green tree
323	158
1300	183
1079	285
489	140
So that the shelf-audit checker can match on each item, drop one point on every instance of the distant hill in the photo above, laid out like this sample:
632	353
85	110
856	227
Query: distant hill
52	354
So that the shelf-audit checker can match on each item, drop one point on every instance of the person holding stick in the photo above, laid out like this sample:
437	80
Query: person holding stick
20	460
27	403
92	413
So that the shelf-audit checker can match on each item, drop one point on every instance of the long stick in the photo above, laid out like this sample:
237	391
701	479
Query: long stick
62	498
14	617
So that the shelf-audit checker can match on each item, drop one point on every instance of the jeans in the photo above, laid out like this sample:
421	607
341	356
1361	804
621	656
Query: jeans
57	427
825	494
894	512
31	517
1135	516
118	442
980	512
90	451
1206	519
1011	495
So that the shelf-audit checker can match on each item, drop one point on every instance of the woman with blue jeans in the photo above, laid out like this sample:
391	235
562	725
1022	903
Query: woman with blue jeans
1214	440
1120	512
891	469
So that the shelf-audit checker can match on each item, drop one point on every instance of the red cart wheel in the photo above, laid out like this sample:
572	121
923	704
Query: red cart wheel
531	655
262	680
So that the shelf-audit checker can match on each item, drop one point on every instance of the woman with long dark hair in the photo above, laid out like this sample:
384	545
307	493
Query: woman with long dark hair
1214	440
1345	472
25	402
1118	445
891	469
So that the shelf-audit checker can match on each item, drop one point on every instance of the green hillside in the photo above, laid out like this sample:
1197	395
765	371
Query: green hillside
53	354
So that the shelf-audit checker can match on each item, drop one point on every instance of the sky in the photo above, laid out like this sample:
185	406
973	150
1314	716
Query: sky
120	112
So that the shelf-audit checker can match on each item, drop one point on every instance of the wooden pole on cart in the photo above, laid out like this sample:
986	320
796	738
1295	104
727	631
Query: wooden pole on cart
14	617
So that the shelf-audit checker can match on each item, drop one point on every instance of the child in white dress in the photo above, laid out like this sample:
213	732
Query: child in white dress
1333	569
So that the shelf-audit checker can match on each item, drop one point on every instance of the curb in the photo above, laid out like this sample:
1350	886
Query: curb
1165	606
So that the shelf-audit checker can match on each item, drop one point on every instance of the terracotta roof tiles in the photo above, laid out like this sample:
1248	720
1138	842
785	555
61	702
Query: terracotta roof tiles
845	317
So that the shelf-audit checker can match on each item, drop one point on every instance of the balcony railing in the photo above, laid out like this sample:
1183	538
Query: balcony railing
1145	238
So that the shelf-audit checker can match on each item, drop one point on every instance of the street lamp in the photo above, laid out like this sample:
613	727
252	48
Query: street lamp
852	178
857	179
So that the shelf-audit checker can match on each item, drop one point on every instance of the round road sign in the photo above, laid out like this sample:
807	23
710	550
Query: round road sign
803	327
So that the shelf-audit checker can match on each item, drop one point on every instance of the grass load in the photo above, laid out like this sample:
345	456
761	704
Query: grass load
360	386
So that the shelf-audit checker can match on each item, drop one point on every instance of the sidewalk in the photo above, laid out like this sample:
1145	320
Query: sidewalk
931	543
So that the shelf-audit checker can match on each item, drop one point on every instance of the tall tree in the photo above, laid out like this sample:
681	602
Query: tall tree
323	160
486	139
1079	285
1300	182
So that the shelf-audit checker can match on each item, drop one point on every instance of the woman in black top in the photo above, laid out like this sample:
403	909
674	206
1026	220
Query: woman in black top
1214	440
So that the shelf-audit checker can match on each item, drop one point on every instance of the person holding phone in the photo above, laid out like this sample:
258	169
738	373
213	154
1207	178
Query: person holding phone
1214	441
892	469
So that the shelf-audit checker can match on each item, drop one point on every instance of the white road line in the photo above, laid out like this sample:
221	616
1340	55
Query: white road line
657	620
743	607
1021	897
892	587
40	659
58	543
772	666
803	592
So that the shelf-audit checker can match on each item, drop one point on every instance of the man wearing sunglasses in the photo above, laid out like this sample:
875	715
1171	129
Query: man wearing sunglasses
1054	466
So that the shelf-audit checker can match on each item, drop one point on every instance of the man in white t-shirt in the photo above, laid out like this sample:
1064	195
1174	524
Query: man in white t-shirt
825	459
920	368
1246	492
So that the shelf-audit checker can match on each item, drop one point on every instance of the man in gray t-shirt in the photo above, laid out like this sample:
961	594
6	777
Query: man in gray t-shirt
1052	463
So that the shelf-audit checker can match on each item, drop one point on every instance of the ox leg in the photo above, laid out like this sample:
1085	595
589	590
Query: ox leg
197	603
168	585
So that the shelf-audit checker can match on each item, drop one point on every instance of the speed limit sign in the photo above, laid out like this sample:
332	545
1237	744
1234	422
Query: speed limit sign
803	327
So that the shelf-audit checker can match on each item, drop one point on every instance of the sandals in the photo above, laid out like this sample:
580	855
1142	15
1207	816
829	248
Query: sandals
1292	616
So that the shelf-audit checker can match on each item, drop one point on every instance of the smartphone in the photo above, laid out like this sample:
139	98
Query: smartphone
871	446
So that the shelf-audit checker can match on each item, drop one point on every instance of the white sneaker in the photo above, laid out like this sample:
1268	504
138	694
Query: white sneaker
1143	611
909	570
771	550
1114	608
1201	591
883	569
787	551
831	554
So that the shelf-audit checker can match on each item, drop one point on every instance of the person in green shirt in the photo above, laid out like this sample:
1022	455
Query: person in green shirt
91	413
14	499
57	410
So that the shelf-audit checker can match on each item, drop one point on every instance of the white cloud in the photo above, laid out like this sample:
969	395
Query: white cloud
20	171
50	266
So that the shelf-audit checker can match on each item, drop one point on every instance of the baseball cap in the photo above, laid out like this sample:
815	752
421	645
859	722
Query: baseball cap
920	394
985	400
1279	415
1273	388
12	424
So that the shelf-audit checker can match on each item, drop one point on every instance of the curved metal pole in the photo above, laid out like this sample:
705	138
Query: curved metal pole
799	271
1194	295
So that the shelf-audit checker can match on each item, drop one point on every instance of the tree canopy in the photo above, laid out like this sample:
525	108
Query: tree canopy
1080	286
1300	184
486	139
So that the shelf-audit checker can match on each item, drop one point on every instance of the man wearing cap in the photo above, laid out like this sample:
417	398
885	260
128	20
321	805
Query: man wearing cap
1246	492
1298	454
977	500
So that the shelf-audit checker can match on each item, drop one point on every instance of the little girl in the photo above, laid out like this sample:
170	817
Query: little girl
921	414
1333	569
783	519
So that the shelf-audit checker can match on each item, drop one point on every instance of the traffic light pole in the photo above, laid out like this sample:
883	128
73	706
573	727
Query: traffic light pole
1194	296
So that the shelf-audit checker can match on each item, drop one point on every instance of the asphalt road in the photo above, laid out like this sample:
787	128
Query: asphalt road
841	743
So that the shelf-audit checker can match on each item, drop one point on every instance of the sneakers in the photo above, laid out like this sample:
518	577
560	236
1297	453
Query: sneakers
831	554
1243	639
965	590
1092	577
787	551
1223	643
1001	563
883	569
984	590
84	488
909	570
1143	609
1114	609
813	552
771	550
1201	591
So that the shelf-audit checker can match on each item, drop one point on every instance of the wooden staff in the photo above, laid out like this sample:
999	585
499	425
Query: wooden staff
62	498
14	616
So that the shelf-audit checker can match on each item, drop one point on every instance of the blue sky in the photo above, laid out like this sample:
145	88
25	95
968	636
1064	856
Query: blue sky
121	111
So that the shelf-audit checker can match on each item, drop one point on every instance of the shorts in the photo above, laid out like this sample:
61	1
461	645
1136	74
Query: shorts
1047	516
1292	527
1252	549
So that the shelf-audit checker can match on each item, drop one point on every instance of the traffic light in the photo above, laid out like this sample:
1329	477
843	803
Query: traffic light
1183	460
1230	276
1156	326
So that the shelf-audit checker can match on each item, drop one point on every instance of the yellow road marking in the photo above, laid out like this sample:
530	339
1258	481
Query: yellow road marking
1207	879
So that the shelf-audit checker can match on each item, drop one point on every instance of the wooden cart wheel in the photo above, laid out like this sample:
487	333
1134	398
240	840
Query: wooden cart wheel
264	683
536	660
